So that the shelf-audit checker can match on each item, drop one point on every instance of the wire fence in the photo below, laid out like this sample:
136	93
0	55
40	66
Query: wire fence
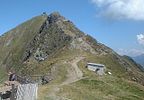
26	89
27	92
21	92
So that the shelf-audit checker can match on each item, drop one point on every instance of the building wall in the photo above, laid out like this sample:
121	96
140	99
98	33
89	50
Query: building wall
101	71
92	68
98	69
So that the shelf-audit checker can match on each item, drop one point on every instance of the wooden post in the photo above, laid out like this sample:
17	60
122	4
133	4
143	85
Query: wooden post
12	97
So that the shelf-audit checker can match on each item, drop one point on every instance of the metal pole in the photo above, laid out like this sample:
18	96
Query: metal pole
13	93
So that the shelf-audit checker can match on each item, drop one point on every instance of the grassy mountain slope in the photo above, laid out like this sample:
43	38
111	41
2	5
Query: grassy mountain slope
52	45
14	42
108	87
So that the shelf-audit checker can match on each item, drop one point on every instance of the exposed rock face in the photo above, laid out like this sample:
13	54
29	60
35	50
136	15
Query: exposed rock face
80	44
49	39
40	55
101	49
37	40
55	33
54	17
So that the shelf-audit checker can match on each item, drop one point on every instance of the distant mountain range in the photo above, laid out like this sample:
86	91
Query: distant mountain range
139	59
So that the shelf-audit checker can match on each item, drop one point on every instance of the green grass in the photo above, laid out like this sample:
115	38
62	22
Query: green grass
3	76
11	55
111	64
107	87
94	87
102	88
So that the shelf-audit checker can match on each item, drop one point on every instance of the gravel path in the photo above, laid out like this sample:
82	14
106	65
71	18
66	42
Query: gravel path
74	74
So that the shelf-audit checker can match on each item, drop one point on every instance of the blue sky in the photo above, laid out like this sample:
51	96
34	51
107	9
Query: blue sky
116	23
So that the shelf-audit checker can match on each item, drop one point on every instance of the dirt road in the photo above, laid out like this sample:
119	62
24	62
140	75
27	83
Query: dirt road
74	73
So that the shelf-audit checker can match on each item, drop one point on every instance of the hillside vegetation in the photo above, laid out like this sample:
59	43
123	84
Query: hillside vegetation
51	45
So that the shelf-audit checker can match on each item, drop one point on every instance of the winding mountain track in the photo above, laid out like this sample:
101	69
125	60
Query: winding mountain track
74	73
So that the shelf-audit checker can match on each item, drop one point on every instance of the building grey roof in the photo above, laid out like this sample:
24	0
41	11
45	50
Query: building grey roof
95	64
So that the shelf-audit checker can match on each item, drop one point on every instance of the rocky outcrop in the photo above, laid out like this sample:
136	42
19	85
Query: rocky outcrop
32	44
49	39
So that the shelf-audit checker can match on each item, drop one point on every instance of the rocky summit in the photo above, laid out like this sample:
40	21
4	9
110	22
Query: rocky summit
52	46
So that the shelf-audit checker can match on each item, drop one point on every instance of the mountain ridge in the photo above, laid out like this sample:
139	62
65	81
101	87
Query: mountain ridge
54	33
48	44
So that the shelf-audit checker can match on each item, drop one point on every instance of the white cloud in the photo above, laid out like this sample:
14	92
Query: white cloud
130	52
134	52
140	39
121	9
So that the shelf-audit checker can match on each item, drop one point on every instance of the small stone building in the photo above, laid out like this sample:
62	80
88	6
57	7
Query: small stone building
98	68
